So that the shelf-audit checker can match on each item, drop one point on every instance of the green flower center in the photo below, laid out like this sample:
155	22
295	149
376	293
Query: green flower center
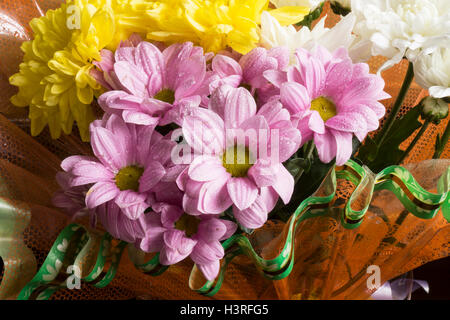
325	107
237	161
128	178
165	95
188	224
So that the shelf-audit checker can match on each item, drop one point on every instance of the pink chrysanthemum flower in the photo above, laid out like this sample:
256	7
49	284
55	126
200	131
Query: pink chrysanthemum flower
330	100
150	87
177	235
111	217
238	157
129	164
248	72
71	199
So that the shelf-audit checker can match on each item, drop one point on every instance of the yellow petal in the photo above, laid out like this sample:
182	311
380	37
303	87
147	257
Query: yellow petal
289	15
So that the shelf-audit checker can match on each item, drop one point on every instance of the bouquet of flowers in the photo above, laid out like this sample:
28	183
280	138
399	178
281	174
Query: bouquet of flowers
208	125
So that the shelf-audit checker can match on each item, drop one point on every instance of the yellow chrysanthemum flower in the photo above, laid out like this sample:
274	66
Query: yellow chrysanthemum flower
214	25
54	78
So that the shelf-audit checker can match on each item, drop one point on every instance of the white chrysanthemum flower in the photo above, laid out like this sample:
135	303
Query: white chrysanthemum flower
432	72
294	3
275	35
402	28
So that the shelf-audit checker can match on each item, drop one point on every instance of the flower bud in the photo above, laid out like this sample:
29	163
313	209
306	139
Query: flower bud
434	109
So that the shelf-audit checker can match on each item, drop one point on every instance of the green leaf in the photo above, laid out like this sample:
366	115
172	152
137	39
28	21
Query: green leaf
339	9
368	151
313	15
388	153
297	166
308	183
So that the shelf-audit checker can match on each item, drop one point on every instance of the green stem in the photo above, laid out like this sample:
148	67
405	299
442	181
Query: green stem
398	104
444	140
414	142
309	148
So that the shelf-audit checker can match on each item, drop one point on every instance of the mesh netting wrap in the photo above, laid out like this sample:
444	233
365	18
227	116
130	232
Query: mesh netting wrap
330	261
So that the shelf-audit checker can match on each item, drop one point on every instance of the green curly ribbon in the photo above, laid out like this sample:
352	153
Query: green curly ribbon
418	201
17	262
71	248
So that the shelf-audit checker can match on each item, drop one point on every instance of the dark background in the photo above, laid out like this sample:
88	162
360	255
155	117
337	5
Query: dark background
437	273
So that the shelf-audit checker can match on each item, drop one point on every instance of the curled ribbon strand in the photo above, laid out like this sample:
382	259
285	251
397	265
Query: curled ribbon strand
417	200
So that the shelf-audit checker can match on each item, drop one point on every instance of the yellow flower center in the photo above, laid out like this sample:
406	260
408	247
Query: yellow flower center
188	224
325	107
165	95
237	161
128	178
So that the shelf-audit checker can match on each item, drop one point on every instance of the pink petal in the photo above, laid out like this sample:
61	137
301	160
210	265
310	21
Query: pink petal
338	78
101	192
225	66
206	168
344	146
152	61
348	122
93	170
68	163
231	228
253	217
132	203
153	173
257	123
140	118
294	97
326	146
315	122
242	191
194	71
218	99
190	205
210	270
169	214
263	173
284	141
153	241
107	148
274	112
281	54
177	247
269	197
376	107
160	151
204	131
182	179
118	225
239	107
207	252
367	114
312	75
211	229
125	54
107	62
213	197
131	78
277	78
